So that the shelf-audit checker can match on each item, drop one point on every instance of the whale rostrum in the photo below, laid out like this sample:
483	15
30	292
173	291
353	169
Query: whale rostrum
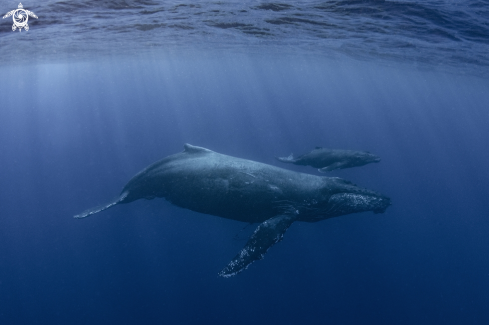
208	182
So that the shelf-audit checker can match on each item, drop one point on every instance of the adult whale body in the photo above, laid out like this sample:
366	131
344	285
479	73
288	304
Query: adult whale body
208	182
330	159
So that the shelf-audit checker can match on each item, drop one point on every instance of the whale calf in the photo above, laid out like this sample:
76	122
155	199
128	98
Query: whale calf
208	182
330	159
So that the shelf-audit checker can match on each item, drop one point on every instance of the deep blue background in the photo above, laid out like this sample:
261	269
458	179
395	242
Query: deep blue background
71	136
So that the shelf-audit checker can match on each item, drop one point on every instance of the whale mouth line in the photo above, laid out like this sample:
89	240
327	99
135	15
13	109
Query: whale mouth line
337	205
346	203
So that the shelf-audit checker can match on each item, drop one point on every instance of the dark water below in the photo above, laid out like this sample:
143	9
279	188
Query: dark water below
93	102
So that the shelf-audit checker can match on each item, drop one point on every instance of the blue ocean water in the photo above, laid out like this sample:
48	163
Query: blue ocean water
97	90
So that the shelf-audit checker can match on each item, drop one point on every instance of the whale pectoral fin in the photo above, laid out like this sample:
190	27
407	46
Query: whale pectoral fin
331	167
100	208
289	159
265	236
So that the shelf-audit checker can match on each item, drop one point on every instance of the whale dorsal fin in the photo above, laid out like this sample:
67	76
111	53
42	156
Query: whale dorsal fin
194	149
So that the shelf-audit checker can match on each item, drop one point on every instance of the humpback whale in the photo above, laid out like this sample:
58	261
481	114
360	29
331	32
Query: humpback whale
327	160
208	182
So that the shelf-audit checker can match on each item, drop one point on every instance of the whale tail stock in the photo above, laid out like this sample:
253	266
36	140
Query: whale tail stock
265	236
100	208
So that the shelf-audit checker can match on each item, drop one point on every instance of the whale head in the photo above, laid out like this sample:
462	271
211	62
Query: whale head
369	157
340	197
347	198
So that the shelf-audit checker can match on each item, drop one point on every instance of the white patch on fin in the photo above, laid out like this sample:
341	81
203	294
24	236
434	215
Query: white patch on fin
265	236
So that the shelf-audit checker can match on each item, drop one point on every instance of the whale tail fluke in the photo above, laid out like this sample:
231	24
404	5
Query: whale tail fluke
100	208
265	236
289	159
